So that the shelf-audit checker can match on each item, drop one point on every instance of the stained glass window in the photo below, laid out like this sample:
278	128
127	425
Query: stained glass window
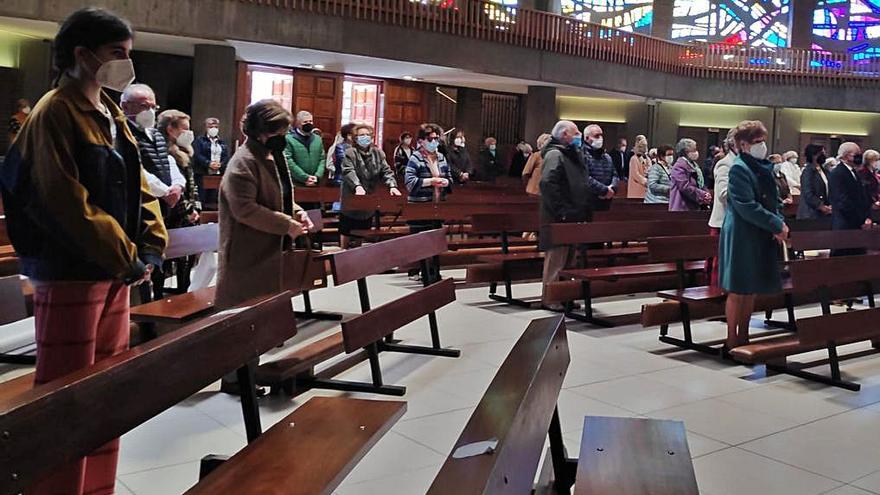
627	15
735	22
848	25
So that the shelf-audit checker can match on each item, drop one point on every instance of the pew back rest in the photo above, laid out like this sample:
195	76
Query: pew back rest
4	235
813	274
12	303
354	264
490	223
835	239
516	409
632	213
563	234
682	248
189	241
369	327
59	421
850	326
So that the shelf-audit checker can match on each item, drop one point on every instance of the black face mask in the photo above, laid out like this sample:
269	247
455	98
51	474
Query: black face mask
307	128
276	143
857	159
821	159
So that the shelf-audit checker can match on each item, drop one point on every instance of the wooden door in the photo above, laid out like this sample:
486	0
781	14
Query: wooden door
320	94
406	107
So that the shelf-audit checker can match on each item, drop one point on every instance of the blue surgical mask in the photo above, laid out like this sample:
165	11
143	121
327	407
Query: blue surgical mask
577	142
364	140
432	146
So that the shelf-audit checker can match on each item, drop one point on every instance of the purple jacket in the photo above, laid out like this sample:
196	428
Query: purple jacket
686	195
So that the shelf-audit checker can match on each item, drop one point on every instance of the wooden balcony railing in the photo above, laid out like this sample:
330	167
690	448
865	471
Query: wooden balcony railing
559	34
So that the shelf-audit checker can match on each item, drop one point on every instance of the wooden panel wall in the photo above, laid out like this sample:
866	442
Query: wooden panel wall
502	118
321	94
406	107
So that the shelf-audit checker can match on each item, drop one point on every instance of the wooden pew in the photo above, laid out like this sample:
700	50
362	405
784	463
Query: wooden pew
59	421
372	330
819	276
685	305
519	410
309	452
618	455
644	276
211	183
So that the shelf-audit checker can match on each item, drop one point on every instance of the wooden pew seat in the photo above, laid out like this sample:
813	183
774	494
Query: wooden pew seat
178	308
309	452
627	271
301	360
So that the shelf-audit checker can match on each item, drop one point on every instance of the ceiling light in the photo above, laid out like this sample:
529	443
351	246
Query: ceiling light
319	67
410	78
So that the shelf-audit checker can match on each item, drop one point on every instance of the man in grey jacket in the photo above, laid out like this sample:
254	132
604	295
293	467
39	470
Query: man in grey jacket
565	195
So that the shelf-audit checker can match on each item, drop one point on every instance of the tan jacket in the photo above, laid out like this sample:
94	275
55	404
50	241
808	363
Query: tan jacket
533	171
252	227
638	176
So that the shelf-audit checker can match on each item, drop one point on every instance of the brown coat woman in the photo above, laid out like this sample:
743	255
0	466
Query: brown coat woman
258	216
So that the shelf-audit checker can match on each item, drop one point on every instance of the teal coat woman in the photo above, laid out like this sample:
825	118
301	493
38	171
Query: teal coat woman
747	251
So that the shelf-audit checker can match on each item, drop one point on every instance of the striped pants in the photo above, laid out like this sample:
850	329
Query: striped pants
78	324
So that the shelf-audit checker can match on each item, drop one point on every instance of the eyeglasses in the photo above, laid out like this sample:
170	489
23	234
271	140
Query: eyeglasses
432	139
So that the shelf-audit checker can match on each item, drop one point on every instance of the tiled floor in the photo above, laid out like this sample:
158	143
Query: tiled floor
748	433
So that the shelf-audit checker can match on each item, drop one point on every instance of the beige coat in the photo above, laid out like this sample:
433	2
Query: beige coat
252	227
638	176
533	171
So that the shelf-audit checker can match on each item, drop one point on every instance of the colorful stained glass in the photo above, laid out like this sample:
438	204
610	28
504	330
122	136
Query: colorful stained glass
848	25
733	22
627	15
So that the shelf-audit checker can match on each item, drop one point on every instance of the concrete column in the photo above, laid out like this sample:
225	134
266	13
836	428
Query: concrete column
541	112
802	23
551	6
214	87
661	26
35	64
469	118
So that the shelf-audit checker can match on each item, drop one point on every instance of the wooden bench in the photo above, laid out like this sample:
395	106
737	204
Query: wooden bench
690	303
56	422
819	276
373	330
644	276
309	452
519	412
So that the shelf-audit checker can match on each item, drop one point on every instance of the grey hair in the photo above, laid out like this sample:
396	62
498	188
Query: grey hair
685	144
561	127
729	140
592	126
302	114
134	89
212	120
847	147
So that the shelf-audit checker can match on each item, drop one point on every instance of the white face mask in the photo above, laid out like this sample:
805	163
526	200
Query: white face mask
407	142
758	150
693	155
185	139
668	159
146	119
597	143
115	74
793	161
213	132
459	142
26	110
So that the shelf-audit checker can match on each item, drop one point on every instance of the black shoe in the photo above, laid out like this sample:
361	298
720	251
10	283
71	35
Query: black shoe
233	388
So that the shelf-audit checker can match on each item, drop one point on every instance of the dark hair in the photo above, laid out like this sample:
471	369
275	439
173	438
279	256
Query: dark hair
264	117
662	149
405	135
347	130
812	151
88	27
426	129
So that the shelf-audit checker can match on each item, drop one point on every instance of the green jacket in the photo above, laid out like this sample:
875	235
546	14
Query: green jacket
303	160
